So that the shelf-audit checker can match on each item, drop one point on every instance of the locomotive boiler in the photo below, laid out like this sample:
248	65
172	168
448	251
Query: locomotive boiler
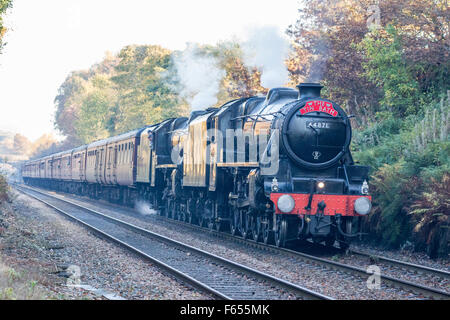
275	169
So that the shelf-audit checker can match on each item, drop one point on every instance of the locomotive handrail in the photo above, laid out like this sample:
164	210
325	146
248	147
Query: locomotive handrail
320	116
257	116
346	176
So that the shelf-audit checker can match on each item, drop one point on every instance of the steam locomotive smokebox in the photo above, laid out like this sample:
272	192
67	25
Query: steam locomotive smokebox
316	138
309	90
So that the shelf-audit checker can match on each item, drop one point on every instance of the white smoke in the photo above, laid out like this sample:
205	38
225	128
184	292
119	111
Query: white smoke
199	76
11	173
320	55
144	208
267	50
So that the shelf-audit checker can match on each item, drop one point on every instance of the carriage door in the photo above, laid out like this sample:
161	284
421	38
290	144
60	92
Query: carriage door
102	166
97	164
114	170
213	154
108	164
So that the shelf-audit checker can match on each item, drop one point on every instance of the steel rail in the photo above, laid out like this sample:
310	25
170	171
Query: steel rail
405	265
391	281
291	287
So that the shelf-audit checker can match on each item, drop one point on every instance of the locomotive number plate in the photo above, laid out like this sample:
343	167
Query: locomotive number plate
319	124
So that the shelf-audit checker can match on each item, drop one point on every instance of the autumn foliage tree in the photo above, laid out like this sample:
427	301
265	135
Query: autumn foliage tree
4	5
136	88
22	145
326	38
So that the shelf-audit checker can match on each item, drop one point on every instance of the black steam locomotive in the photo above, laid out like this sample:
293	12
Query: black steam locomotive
275	168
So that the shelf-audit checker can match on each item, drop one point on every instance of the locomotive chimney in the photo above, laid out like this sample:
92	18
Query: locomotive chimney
309	90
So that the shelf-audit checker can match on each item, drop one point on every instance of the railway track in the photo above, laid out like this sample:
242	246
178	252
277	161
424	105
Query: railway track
391	281
220	277
330	264
407	266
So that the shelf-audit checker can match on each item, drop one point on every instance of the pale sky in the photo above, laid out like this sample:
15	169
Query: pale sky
47	39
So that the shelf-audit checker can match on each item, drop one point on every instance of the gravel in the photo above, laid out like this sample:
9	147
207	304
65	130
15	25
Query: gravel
419	258
396	271
62	245
332	283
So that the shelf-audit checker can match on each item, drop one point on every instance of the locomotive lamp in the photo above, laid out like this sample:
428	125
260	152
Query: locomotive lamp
365	188
286	203
274	185
321	185
363	205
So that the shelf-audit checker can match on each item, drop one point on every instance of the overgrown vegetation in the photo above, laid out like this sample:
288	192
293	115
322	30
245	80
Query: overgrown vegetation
4	188
16	285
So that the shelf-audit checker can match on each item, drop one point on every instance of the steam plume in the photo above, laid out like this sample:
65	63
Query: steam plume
267	50
321	52
144	208
199	76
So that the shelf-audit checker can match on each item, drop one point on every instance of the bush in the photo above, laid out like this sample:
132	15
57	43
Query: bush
390	221
3	189
431	215
410	178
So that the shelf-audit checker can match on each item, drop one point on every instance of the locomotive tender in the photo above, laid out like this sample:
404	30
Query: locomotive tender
275	168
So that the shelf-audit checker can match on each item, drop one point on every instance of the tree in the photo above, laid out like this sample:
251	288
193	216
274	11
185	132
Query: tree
94	116
326	38
144	94
121	93
43	146
21	144
4	5
71	94
239	81
386	68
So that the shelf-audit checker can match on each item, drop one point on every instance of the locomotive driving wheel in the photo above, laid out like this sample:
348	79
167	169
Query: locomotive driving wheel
190	207
176	215
219	225
184	216
198	213
201	221
280	231
266	231
211	225
190	218
169	208
256	228
236	221
246	224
